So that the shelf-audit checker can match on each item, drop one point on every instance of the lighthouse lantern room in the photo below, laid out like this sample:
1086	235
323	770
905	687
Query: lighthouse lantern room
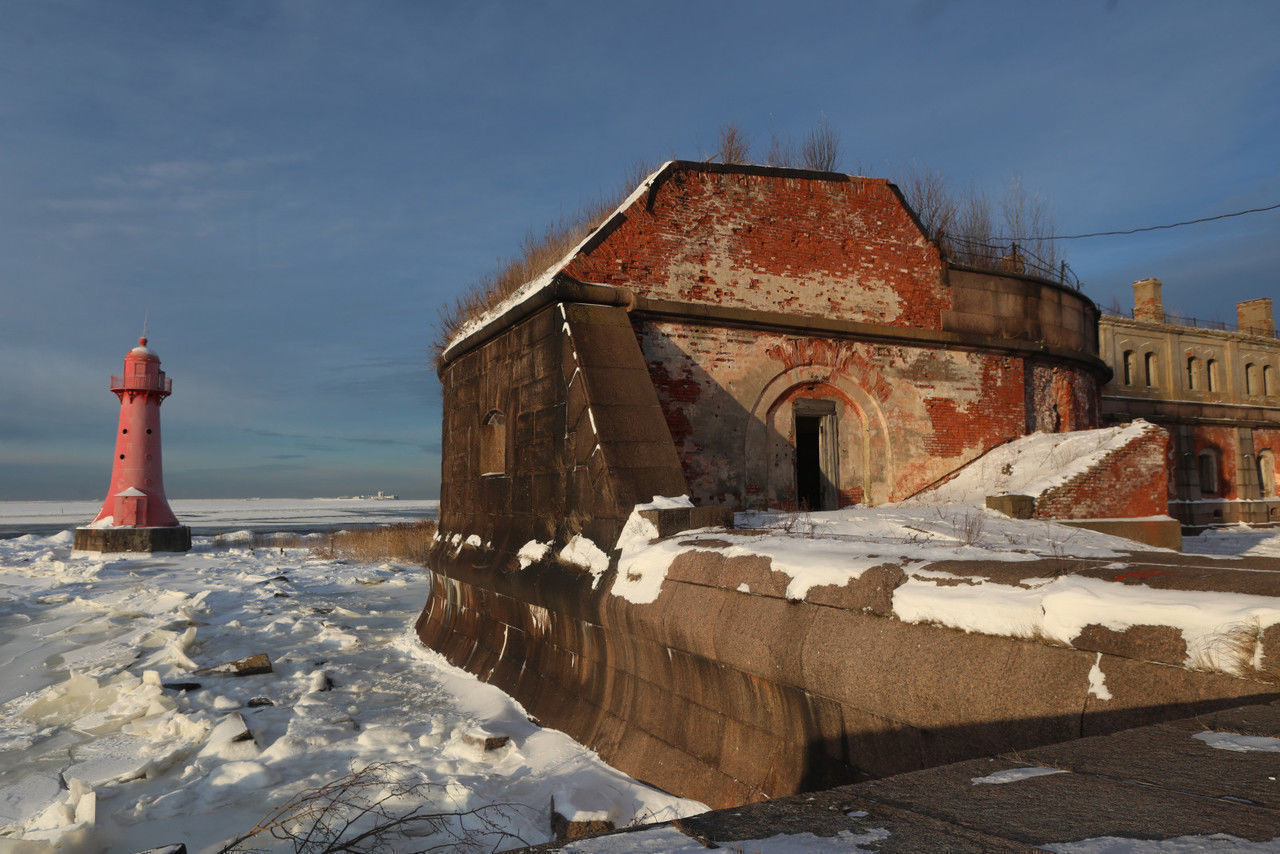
135	515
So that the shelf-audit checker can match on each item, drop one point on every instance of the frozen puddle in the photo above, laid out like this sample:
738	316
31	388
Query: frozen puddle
109	739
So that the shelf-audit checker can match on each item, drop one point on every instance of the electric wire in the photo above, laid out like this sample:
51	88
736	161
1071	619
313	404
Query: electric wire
1145	227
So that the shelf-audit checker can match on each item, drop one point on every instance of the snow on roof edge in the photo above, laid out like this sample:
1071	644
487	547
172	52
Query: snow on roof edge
533	286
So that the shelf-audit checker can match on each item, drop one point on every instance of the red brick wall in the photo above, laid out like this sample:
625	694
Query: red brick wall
1223	439
845	249
1129	482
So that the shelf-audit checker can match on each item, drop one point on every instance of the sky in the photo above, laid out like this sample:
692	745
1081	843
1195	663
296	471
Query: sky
287	192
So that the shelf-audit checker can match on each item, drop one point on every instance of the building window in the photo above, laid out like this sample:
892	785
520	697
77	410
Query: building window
1211	368
1267	473
1192	367
493	445
1209	472
1130	363
1251	379
1269	381
1151	366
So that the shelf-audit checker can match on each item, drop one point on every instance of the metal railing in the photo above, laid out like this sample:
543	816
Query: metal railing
1013	258
1189	322
127	382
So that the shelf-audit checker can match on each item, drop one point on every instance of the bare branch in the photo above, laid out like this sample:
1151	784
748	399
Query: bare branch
821	149
735	145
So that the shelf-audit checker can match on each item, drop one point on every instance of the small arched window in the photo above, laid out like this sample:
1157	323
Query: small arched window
1211	368
1269	381
1130	366
493	444
1267	473
1152	366
1251	379
1210	472
1193	365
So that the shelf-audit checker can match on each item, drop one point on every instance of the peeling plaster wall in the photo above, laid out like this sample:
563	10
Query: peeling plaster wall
907	415
834	246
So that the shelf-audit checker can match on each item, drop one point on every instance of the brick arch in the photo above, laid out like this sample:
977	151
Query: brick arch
762	480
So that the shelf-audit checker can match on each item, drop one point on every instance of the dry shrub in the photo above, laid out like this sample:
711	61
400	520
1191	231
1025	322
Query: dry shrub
971	231
380	808
821	149
408	541
536	254
782	151
735	145
1238	649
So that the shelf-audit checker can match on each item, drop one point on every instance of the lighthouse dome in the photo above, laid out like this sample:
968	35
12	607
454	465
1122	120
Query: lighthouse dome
142	351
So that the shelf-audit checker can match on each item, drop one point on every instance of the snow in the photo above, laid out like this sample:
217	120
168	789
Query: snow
1031	465
669	840
1059	608
1178	845
100	754
533	286
1098	680
1013	775
532	552
1235	540
581	551
1239	743
835	546
211	515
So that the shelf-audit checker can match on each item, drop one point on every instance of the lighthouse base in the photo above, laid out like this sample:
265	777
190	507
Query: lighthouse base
176	538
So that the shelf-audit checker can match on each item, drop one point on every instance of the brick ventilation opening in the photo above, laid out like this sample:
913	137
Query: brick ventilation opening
493	445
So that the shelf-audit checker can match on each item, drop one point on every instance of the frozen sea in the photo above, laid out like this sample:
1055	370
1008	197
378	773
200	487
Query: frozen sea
105	745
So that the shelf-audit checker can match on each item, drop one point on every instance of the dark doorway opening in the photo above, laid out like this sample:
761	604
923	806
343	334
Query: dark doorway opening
809	462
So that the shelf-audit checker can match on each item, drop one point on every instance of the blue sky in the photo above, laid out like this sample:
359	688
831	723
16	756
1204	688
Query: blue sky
289	190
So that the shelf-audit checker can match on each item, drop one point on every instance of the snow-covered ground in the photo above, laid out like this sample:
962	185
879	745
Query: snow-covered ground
209	515
101	749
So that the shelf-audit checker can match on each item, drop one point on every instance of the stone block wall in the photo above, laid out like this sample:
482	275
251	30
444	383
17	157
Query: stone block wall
566	396
730	696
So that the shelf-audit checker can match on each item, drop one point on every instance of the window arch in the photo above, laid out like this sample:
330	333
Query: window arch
1193	366
1251	379
1210	472
493	444
1130	366
1151	363
1267	473
1211	370
1268	381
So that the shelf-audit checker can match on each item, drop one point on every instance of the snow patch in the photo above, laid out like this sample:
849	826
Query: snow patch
532	552
1239	743
1098	680
1013	775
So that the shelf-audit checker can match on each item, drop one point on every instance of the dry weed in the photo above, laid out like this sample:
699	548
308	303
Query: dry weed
408	541
379	808
1237	649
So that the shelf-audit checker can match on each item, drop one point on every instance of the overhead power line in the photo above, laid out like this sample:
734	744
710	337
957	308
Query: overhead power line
1145	227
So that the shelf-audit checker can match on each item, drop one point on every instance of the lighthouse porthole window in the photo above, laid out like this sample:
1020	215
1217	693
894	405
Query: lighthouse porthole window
122	456
148	431
125	430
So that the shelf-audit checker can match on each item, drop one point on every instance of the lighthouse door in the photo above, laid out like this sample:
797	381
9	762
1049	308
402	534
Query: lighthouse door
131	509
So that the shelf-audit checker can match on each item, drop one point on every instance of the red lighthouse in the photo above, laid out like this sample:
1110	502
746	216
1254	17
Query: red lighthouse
136	515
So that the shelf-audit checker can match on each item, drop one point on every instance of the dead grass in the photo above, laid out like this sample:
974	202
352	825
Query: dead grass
408	541
536	253
1238	649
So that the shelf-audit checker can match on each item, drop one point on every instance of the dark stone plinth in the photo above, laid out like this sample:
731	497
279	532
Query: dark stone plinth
1015	506
1163	533
176	538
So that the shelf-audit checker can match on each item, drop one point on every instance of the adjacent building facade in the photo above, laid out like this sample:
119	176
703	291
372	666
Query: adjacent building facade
1215	389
